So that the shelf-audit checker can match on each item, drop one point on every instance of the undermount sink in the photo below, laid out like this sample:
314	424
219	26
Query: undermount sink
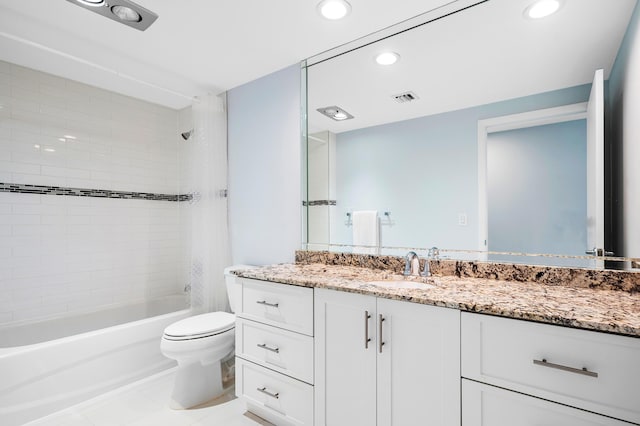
401	284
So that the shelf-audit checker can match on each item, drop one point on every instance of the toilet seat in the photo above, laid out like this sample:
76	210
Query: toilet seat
200	326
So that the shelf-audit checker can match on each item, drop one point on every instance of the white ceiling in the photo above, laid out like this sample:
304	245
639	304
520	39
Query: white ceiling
482	55
195	46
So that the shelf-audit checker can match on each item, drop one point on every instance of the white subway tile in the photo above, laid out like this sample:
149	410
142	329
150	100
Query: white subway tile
44	311
8	166
25	179
17	198
25	230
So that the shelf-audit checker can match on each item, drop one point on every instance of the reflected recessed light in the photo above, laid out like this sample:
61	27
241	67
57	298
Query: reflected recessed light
387	58
70	137
334	9
92	3
50	150
36	146
126	14
542	8
62	139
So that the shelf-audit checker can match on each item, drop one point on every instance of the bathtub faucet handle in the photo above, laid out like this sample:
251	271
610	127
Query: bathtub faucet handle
187	288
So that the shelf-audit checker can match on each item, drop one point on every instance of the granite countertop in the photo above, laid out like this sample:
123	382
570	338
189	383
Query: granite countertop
611	311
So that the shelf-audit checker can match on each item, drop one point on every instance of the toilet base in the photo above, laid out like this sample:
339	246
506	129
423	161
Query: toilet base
196	384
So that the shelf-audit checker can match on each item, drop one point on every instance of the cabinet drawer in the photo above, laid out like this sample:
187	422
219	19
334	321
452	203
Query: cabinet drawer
273	396
484	405
547	361
281	350
286	306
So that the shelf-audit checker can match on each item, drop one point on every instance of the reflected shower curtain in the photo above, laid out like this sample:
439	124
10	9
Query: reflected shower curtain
207	177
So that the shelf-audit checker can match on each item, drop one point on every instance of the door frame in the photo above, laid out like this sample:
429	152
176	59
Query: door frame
503	123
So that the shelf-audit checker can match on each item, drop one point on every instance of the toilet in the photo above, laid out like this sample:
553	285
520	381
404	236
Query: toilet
199	344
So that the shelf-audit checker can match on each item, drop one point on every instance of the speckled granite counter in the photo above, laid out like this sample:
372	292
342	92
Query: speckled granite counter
611	311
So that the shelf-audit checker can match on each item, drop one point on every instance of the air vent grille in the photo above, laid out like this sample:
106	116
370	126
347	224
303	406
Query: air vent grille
405	97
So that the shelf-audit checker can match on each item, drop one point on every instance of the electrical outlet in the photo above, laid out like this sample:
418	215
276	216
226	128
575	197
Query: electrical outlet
462	219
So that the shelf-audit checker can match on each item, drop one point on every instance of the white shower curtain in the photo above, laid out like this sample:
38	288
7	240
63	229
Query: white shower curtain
207	179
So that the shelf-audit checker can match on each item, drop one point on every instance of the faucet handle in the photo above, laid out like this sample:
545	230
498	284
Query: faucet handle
433	253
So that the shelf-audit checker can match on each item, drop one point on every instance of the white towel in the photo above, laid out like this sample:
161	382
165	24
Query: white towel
366	236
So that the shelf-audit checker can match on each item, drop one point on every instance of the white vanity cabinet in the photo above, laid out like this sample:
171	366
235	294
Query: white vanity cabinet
385	362
274	351
591	374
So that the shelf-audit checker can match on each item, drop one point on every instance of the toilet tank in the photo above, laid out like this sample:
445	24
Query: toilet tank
230	281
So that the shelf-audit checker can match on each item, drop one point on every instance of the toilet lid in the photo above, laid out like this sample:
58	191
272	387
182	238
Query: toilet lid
201	325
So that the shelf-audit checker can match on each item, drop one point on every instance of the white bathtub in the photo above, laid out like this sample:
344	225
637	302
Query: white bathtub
48	366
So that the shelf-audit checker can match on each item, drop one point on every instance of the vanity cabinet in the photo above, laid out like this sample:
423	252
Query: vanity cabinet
485	405
385	362
582	370
274	351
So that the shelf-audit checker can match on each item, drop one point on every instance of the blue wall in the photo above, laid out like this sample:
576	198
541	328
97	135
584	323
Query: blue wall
425	172
537	189
264	168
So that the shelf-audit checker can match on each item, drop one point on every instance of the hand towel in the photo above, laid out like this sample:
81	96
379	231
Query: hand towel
366	235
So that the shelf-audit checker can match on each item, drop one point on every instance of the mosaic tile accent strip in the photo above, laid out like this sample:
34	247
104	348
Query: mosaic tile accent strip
85	192
319	203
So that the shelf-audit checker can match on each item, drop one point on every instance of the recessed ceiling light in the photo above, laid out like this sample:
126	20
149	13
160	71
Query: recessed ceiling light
334	9
335	113
542	8
126	14
92	3
387	58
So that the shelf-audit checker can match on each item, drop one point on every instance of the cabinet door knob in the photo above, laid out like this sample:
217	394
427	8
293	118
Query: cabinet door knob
583	370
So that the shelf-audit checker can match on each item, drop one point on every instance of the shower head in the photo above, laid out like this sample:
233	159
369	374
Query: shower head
187	135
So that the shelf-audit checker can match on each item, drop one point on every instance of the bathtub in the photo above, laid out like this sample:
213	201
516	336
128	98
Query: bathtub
50	365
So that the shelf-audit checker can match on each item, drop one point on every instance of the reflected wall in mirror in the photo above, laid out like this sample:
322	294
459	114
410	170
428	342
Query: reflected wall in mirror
413	152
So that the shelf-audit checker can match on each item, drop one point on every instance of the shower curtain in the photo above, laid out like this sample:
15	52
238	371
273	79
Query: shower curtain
207	178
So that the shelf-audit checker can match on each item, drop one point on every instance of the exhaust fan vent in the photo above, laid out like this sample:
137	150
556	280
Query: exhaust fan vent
405	97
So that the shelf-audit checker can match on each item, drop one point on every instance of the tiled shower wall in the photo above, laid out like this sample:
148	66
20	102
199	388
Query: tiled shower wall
60	254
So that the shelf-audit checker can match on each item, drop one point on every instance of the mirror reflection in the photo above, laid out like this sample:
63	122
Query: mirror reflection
479	132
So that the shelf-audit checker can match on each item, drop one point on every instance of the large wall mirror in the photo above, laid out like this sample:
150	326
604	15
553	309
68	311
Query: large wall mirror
476	140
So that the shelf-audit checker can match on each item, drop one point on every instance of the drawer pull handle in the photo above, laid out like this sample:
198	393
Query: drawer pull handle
381	319
582	370
266	392
264	346
367	339
264	302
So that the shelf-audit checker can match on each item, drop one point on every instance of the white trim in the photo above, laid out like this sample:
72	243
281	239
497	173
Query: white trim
539	117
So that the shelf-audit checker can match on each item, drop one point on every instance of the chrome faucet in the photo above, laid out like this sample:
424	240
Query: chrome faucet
412	265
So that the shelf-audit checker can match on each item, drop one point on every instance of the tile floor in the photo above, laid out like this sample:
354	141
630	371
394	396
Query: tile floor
144	403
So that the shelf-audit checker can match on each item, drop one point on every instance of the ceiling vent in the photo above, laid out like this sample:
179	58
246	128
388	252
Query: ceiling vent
405	97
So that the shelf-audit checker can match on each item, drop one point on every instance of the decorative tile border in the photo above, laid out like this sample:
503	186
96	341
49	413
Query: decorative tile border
319	203
85	192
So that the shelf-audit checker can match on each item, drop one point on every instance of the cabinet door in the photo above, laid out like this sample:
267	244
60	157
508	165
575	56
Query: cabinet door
484	405
418	365
345	368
